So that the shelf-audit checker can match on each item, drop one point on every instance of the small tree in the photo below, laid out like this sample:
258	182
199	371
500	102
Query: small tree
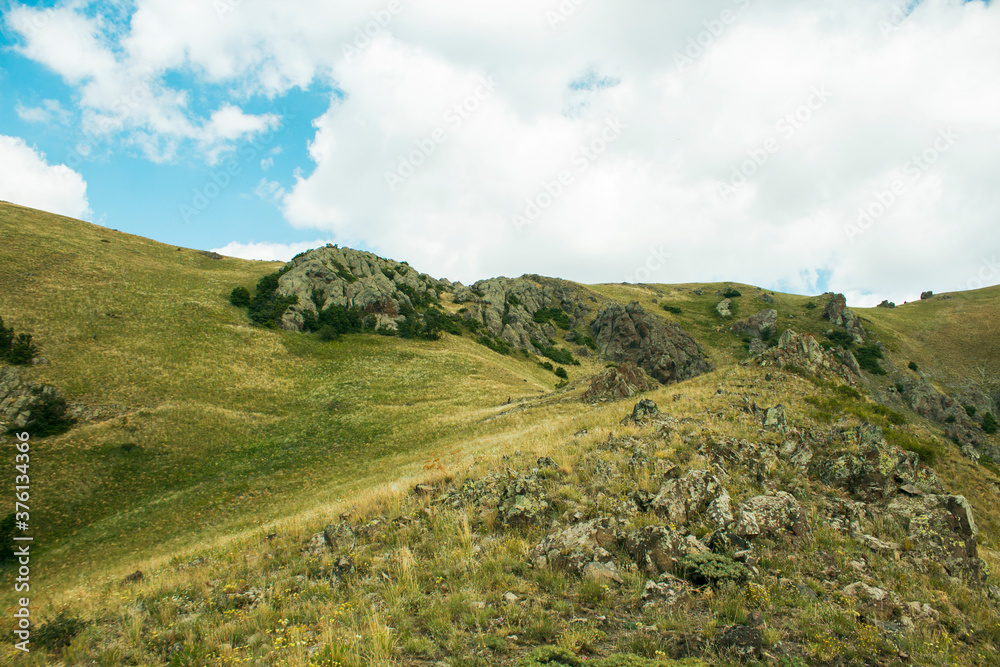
989	423
240	297
561	373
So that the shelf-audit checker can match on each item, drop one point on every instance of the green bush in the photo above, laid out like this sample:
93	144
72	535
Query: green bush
731	293
555	354
547	365
7	539
950	419
561	373
810	305
912	366
47	418
868	356
671	309
970	410
240	297
555	315
928	452
840	338
712	569
266	308
16	349
989	423
513	300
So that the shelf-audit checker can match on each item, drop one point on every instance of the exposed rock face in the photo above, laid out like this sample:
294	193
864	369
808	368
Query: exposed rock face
334	276
886	304
682	500
838	313
772	516
924	399
506	307
581	549
23	402
623	381
805	352
760	325
926	295
658	549
662	349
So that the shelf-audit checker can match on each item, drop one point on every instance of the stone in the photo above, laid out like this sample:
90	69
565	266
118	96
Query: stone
658	549
547	463
774	418
886	304
510	598
761	325
941	527
837	312
666	591
644	409
661	348
574	548
723	308
603	572
720	511
622	381
926	295
680	501
339	536
774	516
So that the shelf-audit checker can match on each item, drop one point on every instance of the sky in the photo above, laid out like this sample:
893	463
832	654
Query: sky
841	145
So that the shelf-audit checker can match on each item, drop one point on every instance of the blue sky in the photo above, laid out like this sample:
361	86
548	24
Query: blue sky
846	145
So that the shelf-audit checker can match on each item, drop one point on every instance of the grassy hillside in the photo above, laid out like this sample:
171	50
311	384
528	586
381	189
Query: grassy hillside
224	448
220	426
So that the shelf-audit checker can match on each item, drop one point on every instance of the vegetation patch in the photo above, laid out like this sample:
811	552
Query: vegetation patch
16	349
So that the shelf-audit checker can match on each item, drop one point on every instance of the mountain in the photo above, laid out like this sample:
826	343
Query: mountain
384	467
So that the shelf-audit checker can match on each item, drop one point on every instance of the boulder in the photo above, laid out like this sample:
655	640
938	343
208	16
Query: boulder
644	409
662	349
926	295
741	641
622	381
683	500
761	325
941	527
723	308
666	591
837	312
581	549
774	517
886	304
658	549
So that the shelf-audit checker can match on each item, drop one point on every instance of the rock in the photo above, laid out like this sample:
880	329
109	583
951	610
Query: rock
339	536
682	500
658	549
766	298
546	463
837	312
742	641
774	516
729	543
886	304
668	590
602	572
761	325
926	295
423	490
723	308
39	409
133	578
720	511
510	598
662	349
941	527
574	548
644	409
774	418
521	500
622	381
804	351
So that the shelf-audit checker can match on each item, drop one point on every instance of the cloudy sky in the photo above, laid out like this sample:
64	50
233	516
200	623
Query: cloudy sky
847	145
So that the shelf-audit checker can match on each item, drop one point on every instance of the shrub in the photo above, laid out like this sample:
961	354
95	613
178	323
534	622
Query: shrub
912	366
989	423
561	373
713	569
266	307
928	452
513	300
868	356
900	387
555	354
731	293
841	338
48	417
554	315
240	297
7	539
810	305
970	410
16	349
547	365
671	309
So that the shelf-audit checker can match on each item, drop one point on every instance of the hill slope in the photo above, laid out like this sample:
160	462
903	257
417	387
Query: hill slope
207	434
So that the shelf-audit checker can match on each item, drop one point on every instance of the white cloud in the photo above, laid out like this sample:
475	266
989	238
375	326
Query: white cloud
271	252
26	178
49	112
702	87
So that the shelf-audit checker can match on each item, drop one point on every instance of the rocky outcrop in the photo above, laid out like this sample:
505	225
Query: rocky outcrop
506	308
964	429
761	325
39	409
886	304
581	549
662	349
723	308
622	381
683	500
772	517
804	351
840	315
334	276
